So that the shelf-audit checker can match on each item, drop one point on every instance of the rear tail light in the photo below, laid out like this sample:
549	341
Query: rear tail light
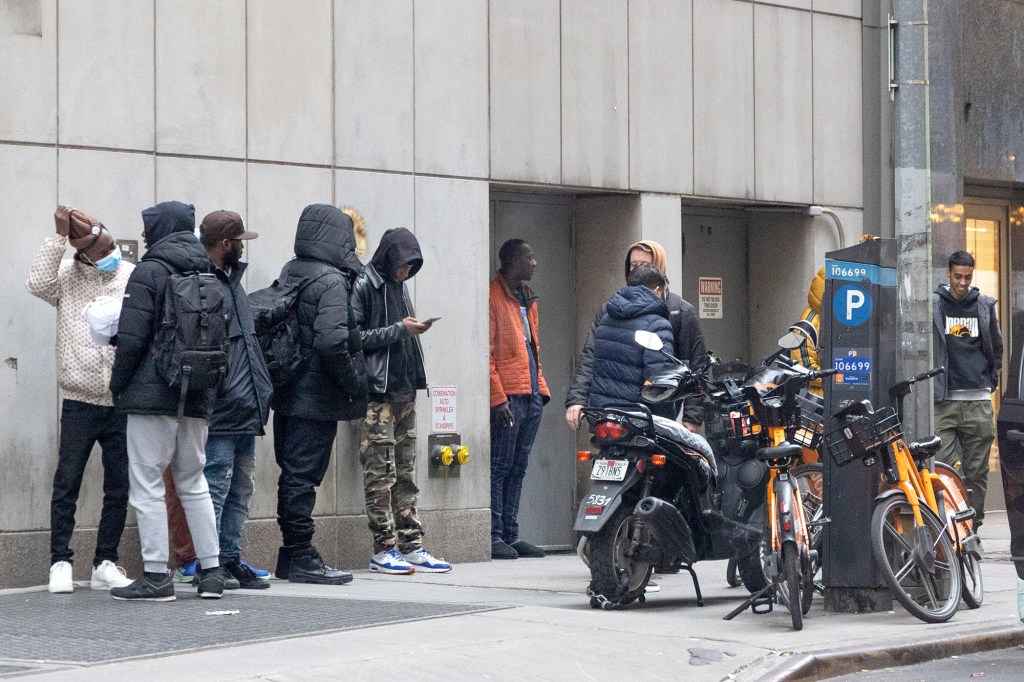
594	510
583	456
610	430
658	460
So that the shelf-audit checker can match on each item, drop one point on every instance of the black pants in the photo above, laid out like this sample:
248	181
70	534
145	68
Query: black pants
82	425
302	448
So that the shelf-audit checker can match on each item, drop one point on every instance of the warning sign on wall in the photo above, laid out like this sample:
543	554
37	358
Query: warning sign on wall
710	297
442	409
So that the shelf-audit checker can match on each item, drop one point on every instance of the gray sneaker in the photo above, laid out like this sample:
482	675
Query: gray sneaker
150	587
211	583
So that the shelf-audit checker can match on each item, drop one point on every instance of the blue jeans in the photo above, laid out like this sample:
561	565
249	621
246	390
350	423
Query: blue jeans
230	472
510	455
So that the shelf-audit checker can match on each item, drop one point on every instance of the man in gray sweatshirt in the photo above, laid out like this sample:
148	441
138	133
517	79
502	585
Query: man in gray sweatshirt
968	343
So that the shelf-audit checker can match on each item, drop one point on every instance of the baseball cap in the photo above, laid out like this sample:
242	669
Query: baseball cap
224	225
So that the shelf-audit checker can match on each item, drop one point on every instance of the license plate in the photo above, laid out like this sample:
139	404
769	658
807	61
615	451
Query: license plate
609	469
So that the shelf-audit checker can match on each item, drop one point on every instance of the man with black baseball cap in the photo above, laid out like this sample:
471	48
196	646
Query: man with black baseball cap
243	402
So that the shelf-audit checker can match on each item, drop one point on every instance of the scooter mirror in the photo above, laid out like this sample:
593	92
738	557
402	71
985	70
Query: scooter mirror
789	341
648	340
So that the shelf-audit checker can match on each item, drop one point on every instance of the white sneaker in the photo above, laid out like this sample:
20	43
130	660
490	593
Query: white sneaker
60	578
652	586
108	575
425	562
390	562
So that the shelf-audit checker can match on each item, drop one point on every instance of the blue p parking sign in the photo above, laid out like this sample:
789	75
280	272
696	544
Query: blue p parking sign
851	305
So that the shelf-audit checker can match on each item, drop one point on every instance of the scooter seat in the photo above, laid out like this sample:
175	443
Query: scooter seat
679	434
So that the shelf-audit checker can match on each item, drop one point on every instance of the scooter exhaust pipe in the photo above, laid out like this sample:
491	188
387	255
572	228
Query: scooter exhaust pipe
668	528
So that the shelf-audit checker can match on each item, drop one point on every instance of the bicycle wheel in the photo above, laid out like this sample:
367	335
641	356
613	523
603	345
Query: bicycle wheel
931	593
810	481
790	581
955	495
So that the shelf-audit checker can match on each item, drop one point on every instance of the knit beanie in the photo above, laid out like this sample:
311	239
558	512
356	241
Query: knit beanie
84	230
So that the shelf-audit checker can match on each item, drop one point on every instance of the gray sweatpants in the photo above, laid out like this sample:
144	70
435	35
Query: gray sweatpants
156	442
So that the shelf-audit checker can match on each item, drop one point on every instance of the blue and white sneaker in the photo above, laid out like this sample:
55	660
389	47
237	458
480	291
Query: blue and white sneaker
186	572
390	562
426	562
258	572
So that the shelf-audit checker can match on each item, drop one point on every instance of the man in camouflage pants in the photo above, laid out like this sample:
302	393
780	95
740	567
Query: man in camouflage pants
394	367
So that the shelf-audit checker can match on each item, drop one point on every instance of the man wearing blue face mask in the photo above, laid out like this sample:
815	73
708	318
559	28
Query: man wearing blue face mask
87	410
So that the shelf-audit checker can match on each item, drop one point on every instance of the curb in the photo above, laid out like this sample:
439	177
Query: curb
835	662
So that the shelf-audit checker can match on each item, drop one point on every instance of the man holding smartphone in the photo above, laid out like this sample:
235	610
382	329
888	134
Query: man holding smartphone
388	330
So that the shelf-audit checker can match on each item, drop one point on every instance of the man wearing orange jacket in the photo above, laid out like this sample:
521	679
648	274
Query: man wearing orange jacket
518	393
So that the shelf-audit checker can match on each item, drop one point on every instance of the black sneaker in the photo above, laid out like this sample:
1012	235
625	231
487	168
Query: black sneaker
230	582
244	576
525	549
211	582
150	587
499	550
307	566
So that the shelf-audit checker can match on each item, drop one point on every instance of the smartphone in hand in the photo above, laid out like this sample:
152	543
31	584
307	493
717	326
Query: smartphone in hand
430	320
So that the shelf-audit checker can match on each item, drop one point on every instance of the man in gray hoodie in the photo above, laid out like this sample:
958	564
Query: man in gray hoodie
968	343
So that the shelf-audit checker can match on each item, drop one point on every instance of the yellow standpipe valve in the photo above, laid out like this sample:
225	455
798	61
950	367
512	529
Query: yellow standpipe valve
446	455
462	454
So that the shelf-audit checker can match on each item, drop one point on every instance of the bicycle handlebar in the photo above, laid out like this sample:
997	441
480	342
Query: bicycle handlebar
928	375
822	373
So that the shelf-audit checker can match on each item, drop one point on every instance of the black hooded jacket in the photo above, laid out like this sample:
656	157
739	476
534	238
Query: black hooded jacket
394	359
173	248
243	398
332	384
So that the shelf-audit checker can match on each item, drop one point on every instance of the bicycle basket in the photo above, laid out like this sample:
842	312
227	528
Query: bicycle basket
810	426
859	436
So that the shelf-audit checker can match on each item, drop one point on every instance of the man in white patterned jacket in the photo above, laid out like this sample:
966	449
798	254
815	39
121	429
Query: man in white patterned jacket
83	372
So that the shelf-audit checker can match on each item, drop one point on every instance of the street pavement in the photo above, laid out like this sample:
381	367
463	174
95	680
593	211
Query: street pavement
534	621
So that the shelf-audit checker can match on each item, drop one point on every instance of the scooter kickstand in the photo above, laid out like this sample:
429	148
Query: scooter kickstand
696	583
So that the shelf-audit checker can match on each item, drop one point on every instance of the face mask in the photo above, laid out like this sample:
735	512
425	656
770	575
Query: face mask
110	263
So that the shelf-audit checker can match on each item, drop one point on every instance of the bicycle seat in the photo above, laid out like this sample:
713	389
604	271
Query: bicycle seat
783	450
925	449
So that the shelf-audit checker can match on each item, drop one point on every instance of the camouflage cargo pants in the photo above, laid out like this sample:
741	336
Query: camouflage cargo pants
387	451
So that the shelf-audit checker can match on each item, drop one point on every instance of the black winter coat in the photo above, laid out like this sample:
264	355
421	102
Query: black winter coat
134	382
380	325
243	401
332	384
621	365
688	346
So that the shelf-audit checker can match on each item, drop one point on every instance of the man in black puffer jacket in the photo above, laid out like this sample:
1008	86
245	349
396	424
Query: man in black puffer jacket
330	387
621	365
156	438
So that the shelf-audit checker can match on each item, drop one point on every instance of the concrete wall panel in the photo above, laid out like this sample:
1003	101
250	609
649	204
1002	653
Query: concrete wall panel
113	186
838	138
723	90
660	220
200	77
661	95
385	200
290	80
783	139
28	51
595	93
451	87
849	8
525	90
106	73
373	74
456	348
28	383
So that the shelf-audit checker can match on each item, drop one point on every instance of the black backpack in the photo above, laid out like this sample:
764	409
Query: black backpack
192	339
275	312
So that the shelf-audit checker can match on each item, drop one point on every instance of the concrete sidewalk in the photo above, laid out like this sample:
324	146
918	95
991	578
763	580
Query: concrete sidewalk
539	625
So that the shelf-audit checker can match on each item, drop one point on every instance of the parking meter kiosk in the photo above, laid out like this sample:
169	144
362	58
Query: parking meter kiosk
859	317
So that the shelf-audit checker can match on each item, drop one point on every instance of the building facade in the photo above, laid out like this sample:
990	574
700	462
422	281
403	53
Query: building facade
741	135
